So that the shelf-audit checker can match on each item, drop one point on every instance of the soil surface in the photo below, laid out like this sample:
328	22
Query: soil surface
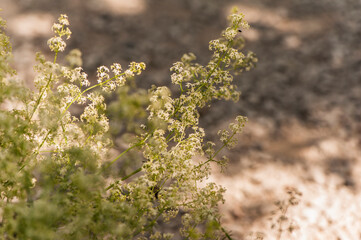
303	99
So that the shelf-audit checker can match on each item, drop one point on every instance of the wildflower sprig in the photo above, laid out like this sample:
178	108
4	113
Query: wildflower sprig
61	29
281	219
56	44
228	140
57	177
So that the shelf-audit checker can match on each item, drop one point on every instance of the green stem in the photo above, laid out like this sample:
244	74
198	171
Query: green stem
120	155
133	173
225	233
42	143
125	178
169	135
124	152
180	85
44	89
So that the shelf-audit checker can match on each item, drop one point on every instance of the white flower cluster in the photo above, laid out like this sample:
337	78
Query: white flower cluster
230	33
70	93
237	19
96	122
181	72
102	73
76	75
218	46
69	136
109	84
56	43
161	104
136	68
69	90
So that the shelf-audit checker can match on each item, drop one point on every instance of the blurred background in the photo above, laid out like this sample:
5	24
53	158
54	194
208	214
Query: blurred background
303	99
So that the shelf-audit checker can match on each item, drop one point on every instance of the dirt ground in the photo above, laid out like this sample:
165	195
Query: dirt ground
303	99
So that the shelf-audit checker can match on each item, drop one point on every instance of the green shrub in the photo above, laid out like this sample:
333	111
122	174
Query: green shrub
57	181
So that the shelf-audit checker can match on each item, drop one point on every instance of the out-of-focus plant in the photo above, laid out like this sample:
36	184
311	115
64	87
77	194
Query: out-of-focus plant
54	180
281	221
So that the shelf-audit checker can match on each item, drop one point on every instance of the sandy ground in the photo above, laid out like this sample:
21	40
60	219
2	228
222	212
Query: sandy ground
303	99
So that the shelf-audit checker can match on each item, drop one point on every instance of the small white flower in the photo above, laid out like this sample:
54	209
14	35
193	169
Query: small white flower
128	73
56	44
102	73
85	82
116	68
63	19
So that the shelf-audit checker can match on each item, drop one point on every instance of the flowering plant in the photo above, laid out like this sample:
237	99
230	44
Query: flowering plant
55	181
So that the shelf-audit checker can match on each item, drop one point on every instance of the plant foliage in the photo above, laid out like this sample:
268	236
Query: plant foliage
55	180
